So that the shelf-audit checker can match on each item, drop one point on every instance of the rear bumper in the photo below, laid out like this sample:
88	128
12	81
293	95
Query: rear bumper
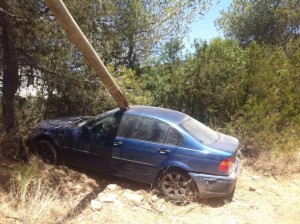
213	185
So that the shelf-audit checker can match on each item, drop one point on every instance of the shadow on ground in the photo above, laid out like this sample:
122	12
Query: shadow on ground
97	182
72	180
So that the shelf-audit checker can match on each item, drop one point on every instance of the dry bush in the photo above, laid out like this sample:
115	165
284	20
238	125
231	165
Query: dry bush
13	147
272	163
33	204
29	199
277	155
10	145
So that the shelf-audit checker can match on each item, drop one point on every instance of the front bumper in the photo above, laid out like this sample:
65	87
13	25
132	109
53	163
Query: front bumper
213	185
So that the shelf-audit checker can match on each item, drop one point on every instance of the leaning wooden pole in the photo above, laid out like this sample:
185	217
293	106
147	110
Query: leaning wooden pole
75	34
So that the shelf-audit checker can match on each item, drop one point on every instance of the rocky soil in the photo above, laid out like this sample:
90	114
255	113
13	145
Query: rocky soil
258	199
88	197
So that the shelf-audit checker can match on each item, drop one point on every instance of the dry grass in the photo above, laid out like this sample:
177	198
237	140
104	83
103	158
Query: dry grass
31	204
40	193
29	199
275	164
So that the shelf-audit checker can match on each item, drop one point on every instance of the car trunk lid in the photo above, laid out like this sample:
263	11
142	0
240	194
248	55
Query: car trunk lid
226	143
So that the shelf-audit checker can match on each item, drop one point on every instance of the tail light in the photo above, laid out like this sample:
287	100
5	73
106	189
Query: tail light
226	166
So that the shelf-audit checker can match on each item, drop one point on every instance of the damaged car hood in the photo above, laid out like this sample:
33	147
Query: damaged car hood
61	122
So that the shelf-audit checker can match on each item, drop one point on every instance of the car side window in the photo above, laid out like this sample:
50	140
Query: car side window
172	137
150	130
107	126
127	126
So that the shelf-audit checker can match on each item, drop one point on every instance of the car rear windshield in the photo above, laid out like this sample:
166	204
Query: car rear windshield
200	131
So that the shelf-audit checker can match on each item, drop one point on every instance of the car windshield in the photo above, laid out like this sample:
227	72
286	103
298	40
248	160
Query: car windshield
200	131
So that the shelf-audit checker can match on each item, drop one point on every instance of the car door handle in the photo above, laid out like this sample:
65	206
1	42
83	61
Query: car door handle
118	144
164	151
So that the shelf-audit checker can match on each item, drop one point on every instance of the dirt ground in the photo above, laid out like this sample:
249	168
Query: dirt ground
89	197
258	199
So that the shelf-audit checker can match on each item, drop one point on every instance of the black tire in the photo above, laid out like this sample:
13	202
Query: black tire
46	151
177	185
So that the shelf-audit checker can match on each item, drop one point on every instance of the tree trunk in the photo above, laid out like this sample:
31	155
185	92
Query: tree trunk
10	82
130	61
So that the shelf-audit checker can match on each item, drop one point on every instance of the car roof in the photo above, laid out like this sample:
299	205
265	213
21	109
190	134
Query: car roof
163	114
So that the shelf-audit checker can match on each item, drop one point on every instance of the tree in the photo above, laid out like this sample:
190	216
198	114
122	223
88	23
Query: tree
265	21
22	51
10	81
35	50
208	84
139	28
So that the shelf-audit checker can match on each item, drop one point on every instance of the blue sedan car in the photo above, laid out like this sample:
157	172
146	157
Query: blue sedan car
145	144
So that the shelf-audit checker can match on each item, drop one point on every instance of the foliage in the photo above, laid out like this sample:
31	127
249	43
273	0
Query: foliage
251	92
126	33
35	50
133	30
265	21
270	116
204	85
132	85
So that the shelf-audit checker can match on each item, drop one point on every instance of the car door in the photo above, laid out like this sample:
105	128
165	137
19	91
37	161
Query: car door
93	146
103	134
143	146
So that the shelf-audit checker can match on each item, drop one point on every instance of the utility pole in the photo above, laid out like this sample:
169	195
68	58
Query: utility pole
77	37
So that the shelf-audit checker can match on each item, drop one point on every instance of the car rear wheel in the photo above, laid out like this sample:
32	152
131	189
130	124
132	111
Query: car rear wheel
177	185
46	151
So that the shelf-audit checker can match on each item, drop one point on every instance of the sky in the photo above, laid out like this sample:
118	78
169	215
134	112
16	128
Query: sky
205	28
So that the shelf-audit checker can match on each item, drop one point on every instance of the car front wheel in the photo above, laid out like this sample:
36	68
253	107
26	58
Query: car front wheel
177	185
46	151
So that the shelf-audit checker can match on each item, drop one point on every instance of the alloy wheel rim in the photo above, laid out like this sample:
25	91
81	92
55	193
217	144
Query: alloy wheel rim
175	185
